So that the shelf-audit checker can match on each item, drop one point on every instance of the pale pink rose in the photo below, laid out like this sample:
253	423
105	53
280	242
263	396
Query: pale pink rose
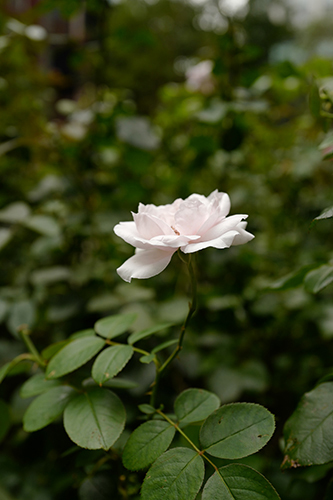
191	225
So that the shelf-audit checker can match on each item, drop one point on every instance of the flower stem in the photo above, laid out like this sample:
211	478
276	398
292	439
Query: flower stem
25	335
187	258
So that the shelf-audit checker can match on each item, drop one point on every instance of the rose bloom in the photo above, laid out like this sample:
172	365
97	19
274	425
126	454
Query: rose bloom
191	225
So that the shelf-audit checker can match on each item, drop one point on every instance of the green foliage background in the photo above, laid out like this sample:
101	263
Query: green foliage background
91	128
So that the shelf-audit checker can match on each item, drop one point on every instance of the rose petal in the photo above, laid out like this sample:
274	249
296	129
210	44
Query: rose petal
227	224
145	264
192	224
163	212
149	226
191	215
243	236
220	201
224	241
173	241
129	233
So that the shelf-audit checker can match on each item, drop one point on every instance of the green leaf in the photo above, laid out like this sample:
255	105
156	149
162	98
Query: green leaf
291	280
52	349
176	475
164	345
15	212
47	407
73	355
237	430
50	275
238	482
317	279
95	419
121	383
5	419
326	214
115	325
147	358
5	236
110	362
147	443
309	431
194	405
143	334
43	224
90	332
37	384
7	368
4	370
147	409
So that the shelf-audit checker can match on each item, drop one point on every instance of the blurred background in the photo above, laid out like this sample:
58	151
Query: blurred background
105	104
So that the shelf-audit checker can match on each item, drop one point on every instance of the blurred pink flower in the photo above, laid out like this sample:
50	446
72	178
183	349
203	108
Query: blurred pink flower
192	224
199	78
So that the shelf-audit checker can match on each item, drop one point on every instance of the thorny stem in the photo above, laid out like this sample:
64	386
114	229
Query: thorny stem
176	426
25	335
192	308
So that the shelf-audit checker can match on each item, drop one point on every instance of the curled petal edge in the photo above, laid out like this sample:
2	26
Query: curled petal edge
145	264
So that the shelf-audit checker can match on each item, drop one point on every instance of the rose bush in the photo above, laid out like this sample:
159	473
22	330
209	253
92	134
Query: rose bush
192	224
